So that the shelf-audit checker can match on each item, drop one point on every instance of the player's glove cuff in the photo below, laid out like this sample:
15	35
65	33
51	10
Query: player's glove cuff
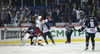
98	29
79	30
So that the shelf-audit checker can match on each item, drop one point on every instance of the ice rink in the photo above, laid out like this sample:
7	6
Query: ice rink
58	48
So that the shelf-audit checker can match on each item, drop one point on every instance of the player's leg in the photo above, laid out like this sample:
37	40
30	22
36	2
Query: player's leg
87	40
44	37
93	41
50	36
39	39
31	37
34	40
25	38
68	38
39	34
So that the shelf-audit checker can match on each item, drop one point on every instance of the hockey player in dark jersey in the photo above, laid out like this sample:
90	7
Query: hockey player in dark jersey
32	31
91	24
46	32
32	34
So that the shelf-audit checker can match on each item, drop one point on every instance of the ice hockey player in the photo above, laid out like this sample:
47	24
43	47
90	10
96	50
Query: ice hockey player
91	24
32	31
39	24
46	32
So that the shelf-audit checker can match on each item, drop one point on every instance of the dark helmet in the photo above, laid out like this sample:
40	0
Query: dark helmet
90	15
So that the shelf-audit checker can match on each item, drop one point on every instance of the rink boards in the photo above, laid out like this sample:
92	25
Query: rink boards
59	35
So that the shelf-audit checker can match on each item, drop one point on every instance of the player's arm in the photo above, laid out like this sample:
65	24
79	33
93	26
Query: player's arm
73	27
96	24
74	9
46	20
84	26
98	29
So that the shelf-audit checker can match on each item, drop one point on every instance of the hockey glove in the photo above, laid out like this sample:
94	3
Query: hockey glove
79	30
48	17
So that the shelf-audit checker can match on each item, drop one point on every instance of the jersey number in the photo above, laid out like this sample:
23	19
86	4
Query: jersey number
91	24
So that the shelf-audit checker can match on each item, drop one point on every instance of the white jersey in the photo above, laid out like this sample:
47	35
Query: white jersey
91	30
40	23
77	14
45	29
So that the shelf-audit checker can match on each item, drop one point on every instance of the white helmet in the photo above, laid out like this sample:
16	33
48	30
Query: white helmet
39	17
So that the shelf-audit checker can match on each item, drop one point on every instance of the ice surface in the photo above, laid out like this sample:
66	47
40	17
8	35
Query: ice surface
58	48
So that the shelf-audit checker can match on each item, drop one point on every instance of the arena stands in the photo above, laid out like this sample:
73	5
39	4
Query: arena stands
18	12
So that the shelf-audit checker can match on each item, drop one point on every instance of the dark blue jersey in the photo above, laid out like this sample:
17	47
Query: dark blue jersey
45	28
91	23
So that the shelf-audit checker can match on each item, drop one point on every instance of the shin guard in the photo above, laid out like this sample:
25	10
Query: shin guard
25	38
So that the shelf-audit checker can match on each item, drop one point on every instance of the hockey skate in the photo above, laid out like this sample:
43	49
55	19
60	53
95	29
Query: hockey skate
31	43
67	42
93	48
34	44
53	42
21	45
86	48
47	43
40	44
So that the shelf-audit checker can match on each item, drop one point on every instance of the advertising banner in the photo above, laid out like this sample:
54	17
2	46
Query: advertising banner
57	33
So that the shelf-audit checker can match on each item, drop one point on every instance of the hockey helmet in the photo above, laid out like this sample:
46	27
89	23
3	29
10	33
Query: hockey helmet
40	18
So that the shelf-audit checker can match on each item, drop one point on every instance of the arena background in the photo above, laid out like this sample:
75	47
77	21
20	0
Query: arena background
22	13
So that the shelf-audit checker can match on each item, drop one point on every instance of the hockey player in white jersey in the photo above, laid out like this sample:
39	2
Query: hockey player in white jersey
39	24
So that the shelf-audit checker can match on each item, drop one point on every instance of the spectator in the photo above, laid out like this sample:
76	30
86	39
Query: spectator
54	16
61	14
78	13
73	17
1	22
67	13
17	23
57	11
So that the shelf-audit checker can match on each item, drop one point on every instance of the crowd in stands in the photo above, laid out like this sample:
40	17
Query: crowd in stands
69	12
